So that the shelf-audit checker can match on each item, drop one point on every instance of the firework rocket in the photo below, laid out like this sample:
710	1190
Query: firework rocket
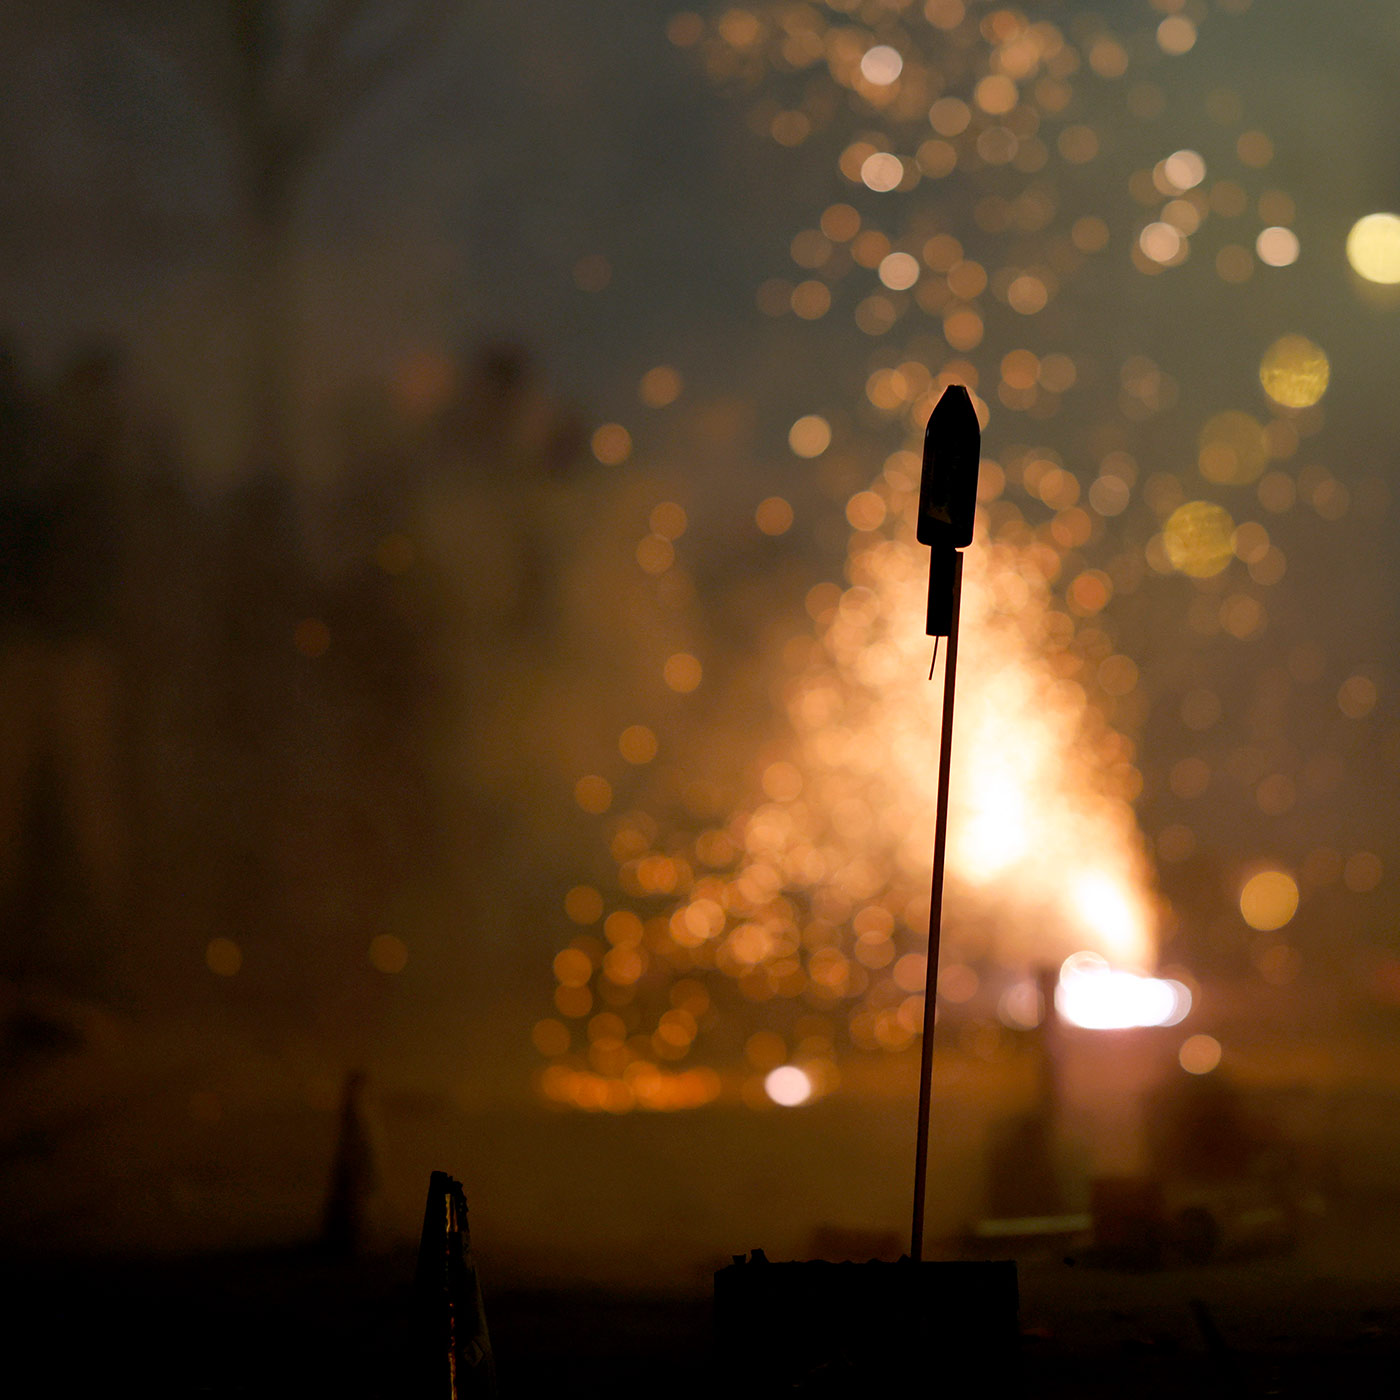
947	502
948	497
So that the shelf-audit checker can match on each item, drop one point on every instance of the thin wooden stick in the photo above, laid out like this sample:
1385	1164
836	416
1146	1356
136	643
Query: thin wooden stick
935	922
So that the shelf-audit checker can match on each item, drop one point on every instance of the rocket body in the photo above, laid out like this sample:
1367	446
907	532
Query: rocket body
948	497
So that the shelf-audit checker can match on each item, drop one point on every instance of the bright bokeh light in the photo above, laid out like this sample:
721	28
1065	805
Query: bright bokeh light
899	271
774	516
1269	900
1160	241
882	172
637	744
1199	1054
1199	539
1185	169
1277	246
1373	248
612	444
1294	372
788	1086
660	386
810	436
881	65
1108	910
682	672
593	793
1176	35
1095	996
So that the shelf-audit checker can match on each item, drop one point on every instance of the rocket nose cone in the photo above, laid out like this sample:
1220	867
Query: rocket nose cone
948	483
954	411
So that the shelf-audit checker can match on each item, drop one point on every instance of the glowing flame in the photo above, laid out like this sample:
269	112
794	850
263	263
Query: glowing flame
1097	997
1044	851
816	902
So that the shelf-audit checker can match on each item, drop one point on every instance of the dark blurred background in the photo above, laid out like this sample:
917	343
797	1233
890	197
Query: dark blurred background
436	438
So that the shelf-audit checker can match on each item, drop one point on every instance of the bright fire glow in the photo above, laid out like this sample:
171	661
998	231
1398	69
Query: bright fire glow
788	1086
1041	835
1097	997
803	910
1044	855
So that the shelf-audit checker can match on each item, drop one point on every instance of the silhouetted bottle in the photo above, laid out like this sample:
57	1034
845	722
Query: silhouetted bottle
455	1357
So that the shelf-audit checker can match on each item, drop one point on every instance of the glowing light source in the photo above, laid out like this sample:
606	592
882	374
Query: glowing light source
612	444
682	672
637	744
1094	996
881	65
1373	248
788	1086
1199	1054
1269	900
810	436
1176	35
1185	169
1160	242
899	271
1294	372
881	172
659	386
1106	909
1199	539
774	516
1277	246
996	94
593	793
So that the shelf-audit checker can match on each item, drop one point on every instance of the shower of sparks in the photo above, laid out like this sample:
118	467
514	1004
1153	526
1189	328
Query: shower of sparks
983	157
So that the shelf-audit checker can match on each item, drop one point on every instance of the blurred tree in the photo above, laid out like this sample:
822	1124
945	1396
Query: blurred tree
282	80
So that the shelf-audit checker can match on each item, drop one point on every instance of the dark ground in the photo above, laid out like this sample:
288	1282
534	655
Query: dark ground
1319	1320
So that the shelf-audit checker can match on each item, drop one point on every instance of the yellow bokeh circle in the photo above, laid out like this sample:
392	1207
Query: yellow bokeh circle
1199	539
1269	900
1294	372
1373	248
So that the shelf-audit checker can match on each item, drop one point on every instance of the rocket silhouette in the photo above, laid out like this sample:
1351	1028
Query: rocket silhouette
948	497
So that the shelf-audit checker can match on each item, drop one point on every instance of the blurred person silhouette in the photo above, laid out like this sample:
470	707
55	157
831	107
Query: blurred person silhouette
348	1225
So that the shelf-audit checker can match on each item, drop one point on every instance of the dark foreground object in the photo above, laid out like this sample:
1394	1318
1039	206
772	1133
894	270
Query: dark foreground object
293	1324
454	1359
819	1329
